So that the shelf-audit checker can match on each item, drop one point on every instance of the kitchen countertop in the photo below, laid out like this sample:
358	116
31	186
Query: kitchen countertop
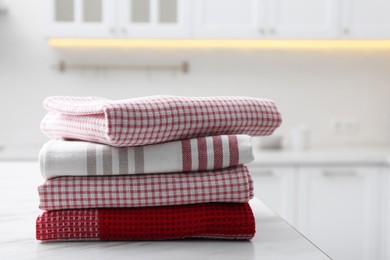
20	152
363	156
275	239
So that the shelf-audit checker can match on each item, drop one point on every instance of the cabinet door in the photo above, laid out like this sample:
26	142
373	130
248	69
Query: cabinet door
154	18
276	187
79	18
339	210
385	234
304	19
366	19
229	18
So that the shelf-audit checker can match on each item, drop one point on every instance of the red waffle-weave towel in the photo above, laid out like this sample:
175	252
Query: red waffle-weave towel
156	119
209	220
232	184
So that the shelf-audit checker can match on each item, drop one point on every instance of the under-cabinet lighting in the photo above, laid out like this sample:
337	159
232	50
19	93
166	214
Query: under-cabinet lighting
219	44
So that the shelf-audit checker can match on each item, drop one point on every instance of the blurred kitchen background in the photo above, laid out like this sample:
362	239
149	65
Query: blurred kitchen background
325	62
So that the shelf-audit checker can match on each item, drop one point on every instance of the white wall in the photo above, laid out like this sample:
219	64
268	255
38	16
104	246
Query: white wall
310	87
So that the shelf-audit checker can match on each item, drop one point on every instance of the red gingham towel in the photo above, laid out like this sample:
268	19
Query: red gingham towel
65	158
209	220
232	184
156	119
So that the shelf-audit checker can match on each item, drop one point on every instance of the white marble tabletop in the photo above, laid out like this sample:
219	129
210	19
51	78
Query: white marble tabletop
275	239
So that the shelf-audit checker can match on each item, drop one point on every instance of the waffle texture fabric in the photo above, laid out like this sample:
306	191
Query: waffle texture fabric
232	184
208	220
74	158
156	119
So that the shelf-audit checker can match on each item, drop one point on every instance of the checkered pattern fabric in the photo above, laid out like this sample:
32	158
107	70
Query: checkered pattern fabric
208	220
232	184
156	119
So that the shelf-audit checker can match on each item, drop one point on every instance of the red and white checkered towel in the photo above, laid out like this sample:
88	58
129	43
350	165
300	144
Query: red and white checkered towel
156	119
65	158
207	220
232	184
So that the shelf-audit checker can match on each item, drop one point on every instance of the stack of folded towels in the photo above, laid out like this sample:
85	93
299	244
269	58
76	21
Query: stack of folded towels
152	168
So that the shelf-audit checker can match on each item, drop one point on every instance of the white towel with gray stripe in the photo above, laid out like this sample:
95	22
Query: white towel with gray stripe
76	158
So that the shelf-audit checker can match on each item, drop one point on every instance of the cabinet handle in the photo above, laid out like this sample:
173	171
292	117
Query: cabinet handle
112	30
264	173
272	31
347	173
124	30
346	31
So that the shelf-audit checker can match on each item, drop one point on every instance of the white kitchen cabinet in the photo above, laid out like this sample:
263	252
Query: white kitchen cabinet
154	18
229	18
339	210
276	187
366	19
79	18
213	19
312	19
118	18
385	221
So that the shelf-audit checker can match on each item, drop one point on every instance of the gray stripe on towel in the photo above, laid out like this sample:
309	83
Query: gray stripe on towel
139	159
123	161
91	160
107	161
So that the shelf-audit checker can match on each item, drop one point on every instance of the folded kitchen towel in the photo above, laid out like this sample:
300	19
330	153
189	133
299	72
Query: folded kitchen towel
65	158
156	119
208	220
232	184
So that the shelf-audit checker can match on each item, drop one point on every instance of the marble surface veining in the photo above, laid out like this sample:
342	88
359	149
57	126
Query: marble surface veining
275	239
